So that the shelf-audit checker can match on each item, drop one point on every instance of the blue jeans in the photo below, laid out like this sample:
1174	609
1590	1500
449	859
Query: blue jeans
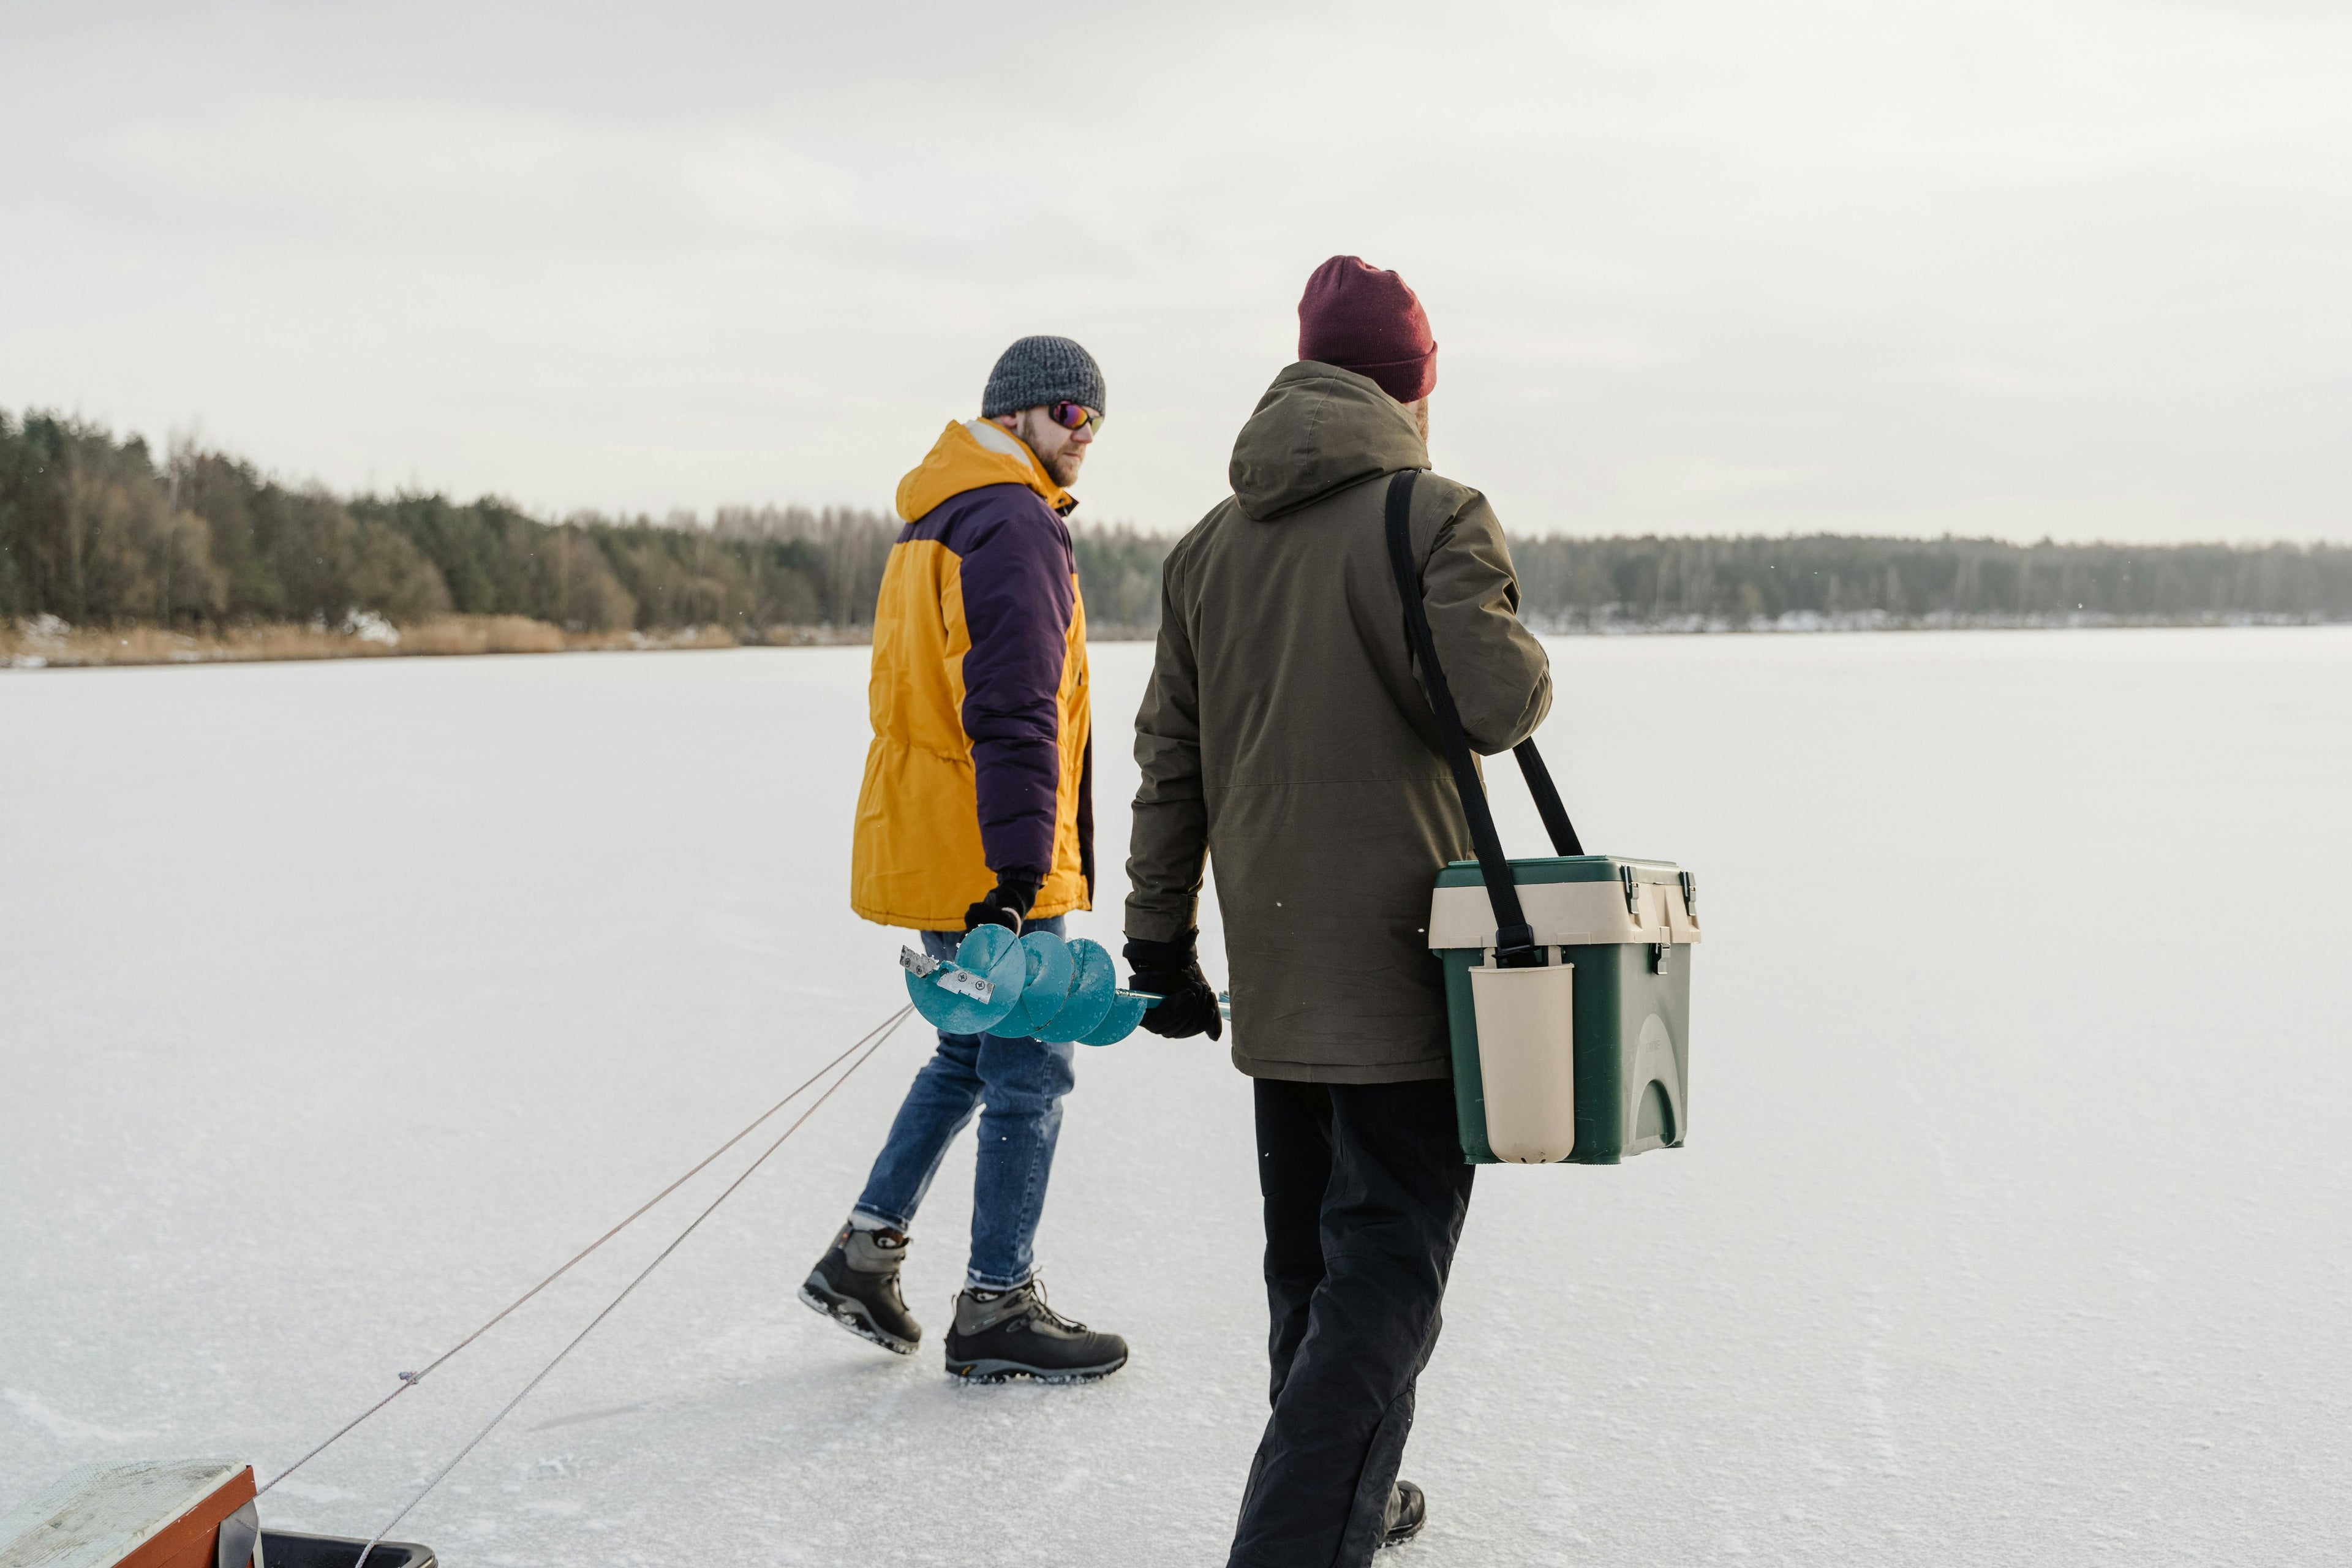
1021	1083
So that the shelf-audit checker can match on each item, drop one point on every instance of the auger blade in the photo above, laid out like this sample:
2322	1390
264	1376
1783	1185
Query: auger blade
1093	985
1126	1011
1045	989
988	955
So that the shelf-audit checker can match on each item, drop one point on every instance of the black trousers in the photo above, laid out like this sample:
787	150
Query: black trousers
1365	1194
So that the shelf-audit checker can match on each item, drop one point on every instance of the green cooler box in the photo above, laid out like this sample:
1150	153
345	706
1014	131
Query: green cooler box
1625	928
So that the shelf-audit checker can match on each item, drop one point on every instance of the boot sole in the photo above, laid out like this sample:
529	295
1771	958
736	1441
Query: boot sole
851	1314
986	1370
1401	1533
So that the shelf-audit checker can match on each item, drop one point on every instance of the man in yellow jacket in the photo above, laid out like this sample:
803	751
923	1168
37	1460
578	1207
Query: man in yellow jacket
977	806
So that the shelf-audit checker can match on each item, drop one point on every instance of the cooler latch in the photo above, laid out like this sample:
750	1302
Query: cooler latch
1632	892
1690	895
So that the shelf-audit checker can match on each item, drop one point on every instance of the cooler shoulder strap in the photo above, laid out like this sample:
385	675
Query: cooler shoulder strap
1515	940
1556	827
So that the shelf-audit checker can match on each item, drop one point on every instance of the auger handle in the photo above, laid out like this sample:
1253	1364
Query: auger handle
1153	999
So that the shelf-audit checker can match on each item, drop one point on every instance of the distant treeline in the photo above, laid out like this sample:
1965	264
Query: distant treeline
1737	584
99	530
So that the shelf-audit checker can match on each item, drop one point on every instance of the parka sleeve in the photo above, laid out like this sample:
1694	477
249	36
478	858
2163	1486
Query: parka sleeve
1499	674
1171	843
1018	599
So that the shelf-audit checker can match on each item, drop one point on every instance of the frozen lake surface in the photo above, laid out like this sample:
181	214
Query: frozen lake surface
337	1003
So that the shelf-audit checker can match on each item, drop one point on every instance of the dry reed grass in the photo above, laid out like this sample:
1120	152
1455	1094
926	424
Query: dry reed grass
49	643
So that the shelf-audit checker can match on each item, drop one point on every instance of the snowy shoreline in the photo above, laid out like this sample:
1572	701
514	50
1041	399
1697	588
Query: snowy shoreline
47	643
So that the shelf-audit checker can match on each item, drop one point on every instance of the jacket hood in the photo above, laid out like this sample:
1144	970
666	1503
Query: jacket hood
1317	429
968	454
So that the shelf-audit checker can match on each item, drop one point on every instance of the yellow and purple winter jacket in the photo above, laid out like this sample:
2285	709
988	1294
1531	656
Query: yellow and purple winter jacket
982	761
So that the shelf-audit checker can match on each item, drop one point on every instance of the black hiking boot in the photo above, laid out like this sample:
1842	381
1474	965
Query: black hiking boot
857	1285
1003	1334
1407	1511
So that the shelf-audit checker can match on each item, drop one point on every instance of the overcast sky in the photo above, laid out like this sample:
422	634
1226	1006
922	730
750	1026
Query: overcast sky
2003	267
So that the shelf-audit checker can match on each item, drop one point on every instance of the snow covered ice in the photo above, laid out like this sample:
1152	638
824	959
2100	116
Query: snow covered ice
340	1001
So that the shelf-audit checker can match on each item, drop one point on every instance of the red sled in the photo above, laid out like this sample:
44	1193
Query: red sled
172	1513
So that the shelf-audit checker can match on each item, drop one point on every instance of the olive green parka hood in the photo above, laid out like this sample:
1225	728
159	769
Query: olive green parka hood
1287	734
1317	429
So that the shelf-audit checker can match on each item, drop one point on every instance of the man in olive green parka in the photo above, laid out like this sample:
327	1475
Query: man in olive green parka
1287	733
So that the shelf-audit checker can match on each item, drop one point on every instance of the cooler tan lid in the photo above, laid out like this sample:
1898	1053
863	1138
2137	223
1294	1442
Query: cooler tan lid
1644	901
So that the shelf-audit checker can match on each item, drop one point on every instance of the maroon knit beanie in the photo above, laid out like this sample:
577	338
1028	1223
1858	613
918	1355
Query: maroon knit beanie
1360	318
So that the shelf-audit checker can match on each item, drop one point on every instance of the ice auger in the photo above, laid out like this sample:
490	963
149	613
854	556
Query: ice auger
1033	985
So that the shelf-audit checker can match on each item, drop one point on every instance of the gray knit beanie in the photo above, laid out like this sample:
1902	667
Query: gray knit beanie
1038	371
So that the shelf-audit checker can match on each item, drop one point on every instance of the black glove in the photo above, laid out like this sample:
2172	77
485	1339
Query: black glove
1007	905
1169	969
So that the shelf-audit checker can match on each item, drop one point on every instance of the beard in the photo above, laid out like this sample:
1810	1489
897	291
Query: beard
1064	465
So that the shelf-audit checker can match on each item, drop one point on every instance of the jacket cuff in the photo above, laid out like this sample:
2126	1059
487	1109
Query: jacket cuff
1158	925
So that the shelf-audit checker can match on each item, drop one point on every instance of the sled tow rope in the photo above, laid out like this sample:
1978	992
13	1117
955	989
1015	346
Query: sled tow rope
863	1048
